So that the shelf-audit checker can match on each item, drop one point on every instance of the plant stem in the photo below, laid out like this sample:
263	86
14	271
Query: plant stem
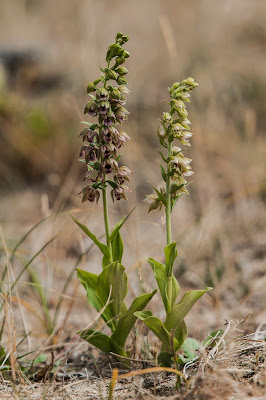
168	198
105	205
106	222
168	226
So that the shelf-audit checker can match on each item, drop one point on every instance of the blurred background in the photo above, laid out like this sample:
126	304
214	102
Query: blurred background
49	52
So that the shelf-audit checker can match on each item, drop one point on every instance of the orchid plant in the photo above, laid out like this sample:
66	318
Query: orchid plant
102	141
174	126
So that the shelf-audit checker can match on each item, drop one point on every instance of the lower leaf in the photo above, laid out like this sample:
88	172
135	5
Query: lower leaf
102	342
158	328
127	321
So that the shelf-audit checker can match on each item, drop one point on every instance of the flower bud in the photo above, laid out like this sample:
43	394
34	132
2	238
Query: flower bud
104	107
102	93
125	38
97	81
119	60
119	35
91	87
91	108
123	89
122	70
161	131
167	117
110	74
176	150
116	94
191	82
126	54
121	80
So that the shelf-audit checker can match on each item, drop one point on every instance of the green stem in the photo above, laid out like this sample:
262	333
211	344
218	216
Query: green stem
105	205
168	227
106	223
168	199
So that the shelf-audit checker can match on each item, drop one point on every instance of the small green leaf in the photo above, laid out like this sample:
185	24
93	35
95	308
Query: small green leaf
161	196
113	184
190	346
40	358
113	275
161	154
163	172
104	249
120	224
170	256
173	203
158	328
163	143
127	321
117	247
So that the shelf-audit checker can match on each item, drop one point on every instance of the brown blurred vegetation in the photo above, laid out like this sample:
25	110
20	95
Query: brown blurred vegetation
50	50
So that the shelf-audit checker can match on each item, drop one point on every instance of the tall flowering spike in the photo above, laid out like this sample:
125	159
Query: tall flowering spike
174	125
102	139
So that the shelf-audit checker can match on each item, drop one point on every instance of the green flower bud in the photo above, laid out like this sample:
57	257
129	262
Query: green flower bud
116	94
123	89
121	80
102	93
97	81
122	71
119	35
91	87
167	117
115	47
191	82
110	74
119	61
126	54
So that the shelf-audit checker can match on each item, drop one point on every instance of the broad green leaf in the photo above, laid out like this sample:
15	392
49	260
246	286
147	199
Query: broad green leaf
127	321
112	276
89	281
213	338
102	342
161	196
119	225
181	309
175	290
159	271
181	333
105	262
117	247
165	359
190	346
170	256
104	249
158	328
